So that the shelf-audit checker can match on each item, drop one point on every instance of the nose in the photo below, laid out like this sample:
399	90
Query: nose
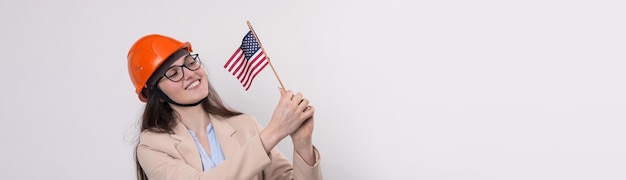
189	74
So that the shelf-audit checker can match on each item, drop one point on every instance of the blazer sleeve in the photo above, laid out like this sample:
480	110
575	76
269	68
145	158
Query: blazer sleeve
281	168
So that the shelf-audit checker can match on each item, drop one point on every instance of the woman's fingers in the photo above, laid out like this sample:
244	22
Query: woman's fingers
297	97
308	112
303	104
295	105
286	95
299	102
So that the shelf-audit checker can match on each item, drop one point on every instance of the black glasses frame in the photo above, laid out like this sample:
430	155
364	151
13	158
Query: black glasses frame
196	59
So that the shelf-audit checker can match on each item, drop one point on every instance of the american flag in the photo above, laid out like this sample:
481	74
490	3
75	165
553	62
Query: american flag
247	61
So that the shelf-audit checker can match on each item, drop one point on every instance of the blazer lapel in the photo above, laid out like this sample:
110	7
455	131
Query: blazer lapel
187	146
225	135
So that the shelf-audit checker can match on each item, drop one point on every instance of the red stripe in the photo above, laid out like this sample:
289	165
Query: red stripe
259	67
237	64
242	68
246	73
232	57
258	61
254	62
253	69
257	73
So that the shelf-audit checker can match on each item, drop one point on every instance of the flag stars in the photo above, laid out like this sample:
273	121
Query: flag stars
249	45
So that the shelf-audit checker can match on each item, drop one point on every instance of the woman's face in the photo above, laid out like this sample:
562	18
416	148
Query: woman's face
191	83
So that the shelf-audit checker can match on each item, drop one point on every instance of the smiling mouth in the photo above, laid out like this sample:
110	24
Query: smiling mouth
193	84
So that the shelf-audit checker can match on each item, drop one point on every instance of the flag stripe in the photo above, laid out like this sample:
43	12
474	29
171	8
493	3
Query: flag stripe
244	72
236	63
256	73
240	67
252	66
230	60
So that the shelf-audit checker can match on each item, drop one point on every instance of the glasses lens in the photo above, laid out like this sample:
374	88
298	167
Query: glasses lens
193	63
174	73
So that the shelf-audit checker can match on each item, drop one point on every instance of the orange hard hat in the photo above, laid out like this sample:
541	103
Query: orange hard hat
146	55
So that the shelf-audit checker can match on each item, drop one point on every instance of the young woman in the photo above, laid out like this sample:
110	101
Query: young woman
187	132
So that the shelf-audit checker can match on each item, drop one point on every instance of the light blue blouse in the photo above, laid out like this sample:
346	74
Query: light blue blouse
217	156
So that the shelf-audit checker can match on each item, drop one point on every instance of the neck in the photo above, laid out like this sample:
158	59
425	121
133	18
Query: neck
194	117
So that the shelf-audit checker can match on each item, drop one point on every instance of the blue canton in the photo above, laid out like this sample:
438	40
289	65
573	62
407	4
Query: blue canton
249	45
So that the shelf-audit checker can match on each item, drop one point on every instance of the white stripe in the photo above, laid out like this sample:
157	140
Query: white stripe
231	63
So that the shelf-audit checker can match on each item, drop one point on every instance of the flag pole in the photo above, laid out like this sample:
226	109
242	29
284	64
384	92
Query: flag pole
266	56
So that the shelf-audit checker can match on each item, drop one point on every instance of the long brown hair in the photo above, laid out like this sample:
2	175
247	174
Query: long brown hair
159	117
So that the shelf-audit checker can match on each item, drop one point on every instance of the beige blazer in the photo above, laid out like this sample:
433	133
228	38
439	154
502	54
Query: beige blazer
165	156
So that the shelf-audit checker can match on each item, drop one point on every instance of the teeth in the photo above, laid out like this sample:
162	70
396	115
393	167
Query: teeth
194	84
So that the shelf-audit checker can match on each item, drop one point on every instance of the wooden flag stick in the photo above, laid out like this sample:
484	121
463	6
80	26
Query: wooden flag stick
266	56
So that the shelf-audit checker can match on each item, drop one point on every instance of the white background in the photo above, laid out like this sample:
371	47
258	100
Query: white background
441	90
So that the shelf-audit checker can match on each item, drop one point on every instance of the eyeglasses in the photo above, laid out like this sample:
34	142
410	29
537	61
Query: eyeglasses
176	73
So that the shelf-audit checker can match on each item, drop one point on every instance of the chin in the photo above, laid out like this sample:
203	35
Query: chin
190	101
201	96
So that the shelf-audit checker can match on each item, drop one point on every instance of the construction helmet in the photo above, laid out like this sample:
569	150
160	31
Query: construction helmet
146	55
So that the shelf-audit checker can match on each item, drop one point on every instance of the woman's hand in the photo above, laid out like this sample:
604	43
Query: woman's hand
305	131
302	139
291	111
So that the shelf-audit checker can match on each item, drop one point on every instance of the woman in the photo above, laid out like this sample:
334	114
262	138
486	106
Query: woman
187	132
